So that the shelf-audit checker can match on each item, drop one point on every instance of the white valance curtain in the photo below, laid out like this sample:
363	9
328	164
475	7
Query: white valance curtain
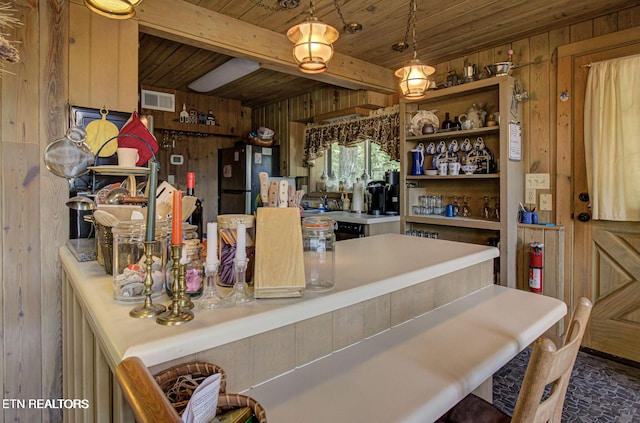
612	138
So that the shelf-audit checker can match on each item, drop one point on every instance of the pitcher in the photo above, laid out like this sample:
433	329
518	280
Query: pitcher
417	160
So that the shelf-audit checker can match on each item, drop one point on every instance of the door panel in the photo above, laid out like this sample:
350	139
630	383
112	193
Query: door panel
606	254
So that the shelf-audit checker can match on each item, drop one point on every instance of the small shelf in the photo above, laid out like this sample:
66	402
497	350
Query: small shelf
455	134
463	176
461	222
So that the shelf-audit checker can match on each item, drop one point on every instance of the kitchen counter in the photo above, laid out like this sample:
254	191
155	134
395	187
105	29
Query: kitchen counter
351	217
363	271
381	282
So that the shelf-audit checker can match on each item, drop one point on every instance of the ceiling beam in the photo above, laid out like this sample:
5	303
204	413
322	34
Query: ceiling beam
193	25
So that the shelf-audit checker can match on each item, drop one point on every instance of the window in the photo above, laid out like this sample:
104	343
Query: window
349	163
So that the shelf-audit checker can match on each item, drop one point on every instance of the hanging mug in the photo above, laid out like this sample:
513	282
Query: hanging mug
466	145
453	146
417	160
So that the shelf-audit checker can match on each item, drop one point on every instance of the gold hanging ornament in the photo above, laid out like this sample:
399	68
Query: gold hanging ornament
414	76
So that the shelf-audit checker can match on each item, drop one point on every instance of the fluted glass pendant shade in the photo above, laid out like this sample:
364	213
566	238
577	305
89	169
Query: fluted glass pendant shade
114	9
414	80
313	47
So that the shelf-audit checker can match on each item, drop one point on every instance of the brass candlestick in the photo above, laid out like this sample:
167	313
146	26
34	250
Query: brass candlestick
175	315
148	309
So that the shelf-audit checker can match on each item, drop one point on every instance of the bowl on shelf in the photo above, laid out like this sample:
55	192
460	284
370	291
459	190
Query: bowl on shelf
431	172
469	169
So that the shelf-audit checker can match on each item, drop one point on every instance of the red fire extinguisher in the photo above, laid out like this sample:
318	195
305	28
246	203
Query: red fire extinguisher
535	267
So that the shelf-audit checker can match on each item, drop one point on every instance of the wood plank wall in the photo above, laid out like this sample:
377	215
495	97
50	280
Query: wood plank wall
32	211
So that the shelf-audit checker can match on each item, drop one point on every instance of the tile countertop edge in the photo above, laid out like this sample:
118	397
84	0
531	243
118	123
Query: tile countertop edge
208	332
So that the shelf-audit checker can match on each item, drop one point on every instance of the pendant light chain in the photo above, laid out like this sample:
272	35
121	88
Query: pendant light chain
413	34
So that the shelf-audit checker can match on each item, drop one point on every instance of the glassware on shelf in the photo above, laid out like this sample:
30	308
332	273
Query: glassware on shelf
456	205
465	210
496	208
487	212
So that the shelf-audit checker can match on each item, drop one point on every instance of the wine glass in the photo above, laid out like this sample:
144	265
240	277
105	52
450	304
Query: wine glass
466	210
486	208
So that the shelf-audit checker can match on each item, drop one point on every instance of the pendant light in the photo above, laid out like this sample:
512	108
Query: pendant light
313	41
414	80
114	9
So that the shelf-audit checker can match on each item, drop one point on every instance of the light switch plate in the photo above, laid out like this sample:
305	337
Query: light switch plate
546	202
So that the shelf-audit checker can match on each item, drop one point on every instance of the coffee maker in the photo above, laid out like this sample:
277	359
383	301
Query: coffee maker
377	197
392	193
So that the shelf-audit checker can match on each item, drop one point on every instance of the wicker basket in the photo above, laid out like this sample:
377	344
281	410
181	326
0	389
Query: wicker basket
197	370
228	402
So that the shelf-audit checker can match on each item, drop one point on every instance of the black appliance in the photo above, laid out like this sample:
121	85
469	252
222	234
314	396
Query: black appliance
238	181
377	197
392	194
348	230
83	185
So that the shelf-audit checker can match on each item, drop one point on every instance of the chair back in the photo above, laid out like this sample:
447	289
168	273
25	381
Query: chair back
147	401
551	366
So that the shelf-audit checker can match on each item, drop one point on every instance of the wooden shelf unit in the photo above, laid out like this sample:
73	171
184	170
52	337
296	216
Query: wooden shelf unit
506	184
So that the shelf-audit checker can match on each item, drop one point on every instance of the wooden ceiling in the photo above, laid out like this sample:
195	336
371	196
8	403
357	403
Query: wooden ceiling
446	29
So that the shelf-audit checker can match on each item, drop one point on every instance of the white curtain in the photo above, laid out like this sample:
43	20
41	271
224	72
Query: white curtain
612	138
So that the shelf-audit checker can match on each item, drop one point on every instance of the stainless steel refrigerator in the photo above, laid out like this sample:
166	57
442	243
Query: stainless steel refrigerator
239	184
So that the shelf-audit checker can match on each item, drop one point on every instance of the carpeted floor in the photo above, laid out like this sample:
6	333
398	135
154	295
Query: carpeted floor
600	390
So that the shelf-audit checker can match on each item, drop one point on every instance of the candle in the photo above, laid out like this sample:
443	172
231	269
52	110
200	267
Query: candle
176	223
241	242
151	203
212	235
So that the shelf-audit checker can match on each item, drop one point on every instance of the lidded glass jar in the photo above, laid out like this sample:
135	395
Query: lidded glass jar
194	267
227	238
129	268
318	243
193	270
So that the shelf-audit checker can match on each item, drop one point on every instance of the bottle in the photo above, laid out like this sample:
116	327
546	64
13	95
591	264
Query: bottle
346	203
456	123
447	123
196	216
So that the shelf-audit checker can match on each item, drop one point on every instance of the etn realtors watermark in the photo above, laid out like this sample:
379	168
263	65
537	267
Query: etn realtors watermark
43	403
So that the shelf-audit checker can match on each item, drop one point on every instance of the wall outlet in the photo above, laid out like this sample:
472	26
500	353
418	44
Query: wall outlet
546	202
171	179
530	196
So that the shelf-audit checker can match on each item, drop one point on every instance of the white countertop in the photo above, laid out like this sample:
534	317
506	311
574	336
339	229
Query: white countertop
365	268
416	371
352	217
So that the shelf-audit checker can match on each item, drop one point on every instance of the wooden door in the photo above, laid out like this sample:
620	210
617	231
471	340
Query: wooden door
606	254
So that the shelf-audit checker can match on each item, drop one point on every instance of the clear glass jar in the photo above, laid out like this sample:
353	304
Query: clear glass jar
129	268
318	243
227	236
194	269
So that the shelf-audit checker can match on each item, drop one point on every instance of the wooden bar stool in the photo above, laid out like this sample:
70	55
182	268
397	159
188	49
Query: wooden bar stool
547	366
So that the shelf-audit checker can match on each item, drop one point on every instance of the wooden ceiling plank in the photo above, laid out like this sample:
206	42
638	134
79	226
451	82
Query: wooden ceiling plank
221	33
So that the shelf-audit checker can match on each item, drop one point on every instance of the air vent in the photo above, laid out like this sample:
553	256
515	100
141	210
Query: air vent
158	101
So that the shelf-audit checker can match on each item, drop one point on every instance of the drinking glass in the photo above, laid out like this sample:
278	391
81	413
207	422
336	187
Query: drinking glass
466	210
